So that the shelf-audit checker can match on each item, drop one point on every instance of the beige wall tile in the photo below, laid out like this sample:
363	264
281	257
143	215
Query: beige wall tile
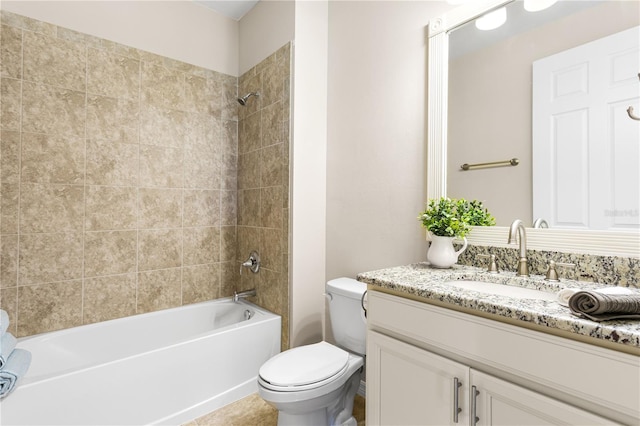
249	170
250	132
200	283
228	243
229	278
113	75
10	110
110	208
159	208
49	307
9	303
107	298
51	208
47	109
48	258
159	249
10	52
9	202
198	95
272	132
230	137
111	163
9	157
250	83
163	126
115	164
201	245
162	87
159	290
271	165
23	22
54	61
272	249
201	207
273	83
8	261
228	208
248	240
230	106
202	167
249	207
110	253
112	119
271	207
52	158
161	167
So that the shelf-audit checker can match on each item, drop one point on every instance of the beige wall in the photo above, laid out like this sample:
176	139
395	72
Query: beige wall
490	107
181	30
376	165
263	30
117	176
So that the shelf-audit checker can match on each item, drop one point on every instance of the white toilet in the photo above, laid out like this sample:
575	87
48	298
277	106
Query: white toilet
316	384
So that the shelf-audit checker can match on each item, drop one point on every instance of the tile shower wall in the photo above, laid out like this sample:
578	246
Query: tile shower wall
118	180
263	182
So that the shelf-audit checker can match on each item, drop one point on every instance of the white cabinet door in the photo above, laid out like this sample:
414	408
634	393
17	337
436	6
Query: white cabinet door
407	385
502	403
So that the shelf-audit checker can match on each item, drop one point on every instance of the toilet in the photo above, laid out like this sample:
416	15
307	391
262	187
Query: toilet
316	384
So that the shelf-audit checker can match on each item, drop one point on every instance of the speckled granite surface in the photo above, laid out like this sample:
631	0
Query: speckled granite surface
609	270
430	283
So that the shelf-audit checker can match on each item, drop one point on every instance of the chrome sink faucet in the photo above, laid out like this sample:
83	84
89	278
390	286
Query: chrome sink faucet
517	227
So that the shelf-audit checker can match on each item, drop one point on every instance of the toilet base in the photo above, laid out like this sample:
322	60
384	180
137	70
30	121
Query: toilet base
338	412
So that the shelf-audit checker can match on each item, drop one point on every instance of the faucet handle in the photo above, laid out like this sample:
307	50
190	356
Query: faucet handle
552	274
492	266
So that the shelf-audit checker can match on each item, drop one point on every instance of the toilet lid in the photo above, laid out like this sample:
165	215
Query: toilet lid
304	365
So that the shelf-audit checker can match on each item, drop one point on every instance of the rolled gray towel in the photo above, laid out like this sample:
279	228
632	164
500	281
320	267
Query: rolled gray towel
599	306
16	366
7	344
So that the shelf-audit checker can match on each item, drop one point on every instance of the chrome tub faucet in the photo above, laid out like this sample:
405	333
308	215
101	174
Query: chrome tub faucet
243	294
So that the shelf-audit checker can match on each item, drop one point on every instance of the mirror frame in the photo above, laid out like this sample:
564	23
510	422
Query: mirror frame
605	243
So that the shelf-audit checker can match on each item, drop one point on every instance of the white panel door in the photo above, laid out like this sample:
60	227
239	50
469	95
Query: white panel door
586	149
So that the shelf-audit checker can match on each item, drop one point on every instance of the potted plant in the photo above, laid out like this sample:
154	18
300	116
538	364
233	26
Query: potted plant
448	219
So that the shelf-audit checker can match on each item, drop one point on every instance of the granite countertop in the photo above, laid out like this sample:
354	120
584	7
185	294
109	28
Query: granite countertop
422	281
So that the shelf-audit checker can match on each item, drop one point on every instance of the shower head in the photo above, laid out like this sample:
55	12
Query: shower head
243	100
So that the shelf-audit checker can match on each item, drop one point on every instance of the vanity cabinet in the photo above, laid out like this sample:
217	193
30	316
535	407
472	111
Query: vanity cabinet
426	363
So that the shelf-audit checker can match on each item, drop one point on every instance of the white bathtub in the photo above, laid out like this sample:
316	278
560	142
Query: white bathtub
165	367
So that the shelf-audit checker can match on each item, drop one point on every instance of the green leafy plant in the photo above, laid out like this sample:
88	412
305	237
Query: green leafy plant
448	217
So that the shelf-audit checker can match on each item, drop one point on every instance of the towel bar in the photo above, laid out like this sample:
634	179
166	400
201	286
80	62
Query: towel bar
512	162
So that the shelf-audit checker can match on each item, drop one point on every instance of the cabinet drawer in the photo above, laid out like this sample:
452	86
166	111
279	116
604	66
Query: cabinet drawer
574	371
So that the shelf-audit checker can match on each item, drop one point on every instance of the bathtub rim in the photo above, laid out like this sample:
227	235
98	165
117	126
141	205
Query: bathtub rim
261	315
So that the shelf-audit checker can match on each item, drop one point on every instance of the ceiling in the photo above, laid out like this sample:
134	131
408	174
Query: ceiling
234	9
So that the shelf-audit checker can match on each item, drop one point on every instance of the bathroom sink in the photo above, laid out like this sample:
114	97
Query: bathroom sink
503	290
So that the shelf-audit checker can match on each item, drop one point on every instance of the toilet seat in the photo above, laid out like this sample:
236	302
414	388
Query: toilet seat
303	368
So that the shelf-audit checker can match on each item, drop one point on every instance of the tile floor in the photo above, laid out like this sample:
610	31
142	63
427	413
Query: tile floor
253	411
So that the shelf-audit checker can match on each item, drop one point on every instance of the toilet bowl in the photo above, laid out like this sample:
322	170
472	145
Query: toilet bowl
316	384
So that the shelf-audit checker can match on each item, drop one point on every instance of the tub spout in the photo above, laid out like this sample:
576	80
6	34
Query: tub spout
243	294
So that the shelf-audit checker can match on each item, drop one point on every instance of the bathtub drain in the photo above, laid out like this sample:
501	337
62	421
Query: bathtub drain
248	314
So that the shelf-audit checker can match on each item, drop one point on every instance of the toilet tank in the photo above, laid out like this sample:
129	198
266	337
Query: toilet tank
348	323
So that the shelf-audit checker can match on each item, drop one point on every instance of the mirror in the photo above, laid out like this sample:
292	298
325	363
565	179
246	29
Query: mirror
452	141
490	114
